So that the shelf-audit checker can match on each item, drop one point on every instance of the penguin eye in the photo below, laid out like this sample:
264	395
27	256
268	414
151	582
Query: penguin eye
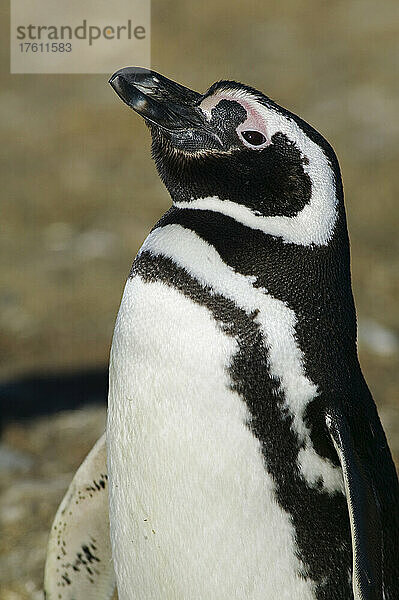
255	138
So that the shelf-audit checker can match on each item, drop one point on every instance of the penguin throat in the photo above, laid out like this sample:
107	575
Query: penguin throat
270	182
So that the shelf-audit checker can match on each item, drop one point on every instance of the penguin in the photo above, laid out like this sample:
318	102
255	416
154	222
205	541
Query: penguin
245	455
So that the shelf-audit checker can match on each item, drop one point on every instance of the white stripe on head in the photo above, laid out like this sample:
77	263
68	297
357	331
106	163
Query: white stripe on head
314	224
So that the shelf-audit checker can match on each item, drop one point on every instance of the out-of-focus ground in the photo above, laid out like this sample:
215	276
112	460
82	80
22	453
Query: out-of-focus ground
79	193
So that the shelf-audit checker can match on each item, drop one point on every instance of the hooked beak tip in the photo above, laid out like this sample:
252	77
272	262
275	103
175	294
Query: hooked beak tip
156	98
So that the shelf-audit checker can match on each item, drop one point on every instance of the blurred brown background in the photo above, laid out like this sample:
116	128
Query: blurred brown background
79	194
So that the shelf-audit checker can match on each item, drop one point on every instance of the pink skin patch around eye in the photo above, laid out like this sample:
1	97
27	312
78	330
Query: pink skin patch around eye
254	121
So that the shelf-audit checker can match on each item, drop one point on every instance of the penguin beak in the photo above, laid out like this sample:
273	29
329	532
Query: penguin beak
158	99
161	102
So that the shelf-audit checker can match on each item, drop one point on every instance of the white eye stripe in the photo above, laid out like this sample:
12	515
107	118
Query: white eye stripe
209	103
255	120
315	224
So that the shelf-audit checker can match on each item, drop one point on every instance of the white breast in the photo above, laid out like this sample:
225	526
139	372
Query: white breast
277	323
192	510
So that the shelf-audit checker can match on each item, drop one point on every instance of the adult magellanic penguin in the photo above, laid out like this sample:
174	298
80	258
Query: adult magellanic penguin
246	459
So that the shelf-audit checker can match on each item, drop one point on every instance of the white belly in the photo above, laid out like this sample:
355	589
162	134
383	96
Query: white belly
192	510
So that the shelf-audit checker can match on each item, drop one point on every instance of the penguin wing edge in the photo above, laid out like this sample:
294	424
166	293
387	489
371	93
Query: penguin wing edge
364	514
79	561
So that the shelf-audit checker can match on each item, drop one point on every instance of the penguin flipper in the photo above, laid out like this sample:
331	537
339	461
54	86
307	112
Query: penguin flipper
79	562
364	514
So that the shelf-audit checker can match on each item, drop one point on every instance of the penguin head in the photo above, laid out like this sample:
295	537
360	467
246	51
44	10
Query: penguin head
233	150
